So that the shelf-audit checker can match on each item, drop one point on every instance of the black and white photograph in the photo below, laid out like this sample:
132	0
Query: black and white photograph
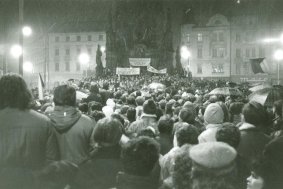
141	94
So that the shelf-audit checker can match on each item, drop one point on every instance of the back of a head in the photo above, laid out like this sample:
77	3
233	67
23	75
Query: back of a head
236	108
105	85
14	92
131	114
94	89
64	95
140	155
165	124
255	114
187	134
107	132
213	114
149	107
214	165
139	100
229	134
187	115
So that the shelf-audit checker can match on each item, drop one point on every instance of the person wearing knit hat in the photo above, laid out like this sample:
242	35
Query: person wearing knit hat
148	118
213	119
213	166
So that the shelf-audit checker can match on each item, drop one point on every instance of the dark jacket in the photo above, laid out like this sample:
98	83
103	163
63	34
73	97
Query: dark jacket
101	170
27	144
125	181
93	97
73	133
252	142
27	139
166	143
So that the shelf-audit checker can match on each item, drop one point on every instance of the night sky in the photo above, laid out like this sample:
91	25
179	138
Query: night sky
41	14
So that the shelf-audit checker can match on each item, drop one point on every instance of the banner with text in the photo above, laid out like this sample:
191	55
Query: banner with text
127	71
139	61
153	70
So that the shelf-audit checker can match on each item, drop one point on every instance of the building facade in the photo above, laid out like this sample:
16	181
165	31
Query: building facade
64	50
222	49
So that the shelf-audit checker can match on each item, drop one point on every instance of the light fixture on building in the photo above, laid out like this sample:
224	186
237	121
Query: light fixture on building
27	31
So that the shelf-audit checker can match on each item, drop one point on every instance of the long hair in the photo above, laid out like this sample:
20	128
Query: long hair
14	92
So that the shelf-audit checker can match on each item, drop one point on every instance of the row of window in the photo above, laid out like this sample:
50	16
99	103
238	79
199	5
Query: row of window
220	37
218	68
67	51
216	36
250	52
78	38
67	66
220	52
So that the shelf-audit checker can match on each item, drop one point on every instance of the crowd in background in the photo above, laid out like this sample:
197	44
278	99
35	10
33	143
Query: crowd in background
127	135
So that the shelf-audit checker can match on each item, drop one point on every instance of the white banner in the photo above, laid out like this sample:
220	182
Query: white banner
128	71
139	61
153	70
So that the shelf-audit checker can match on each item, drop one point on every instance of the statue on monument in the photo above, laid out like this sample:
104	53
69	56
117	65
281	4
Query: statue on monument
99	66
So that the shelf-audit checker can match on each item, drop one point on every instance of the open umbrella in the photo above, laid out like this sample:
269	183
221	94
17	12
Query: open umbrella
267	96
226	91
259	87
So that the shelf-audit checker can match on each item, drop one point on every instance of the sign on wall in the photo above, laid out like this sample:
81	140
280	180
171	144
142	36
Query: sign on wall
139	61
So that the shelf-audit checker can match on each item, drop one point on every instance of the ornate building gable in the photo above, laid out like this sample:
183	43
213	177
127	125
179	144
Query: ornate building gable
218	20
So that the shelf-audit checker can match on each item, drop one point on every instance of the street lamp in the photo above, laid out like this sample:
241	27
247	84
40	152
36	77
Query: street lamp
16	51
28	67
84	60
278	55
27	31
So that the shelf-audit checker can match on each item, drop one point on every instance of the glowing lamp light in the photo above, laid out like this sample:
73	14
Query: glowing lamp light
28	67
278	55
185	53
27	31
16	51
84	58
269	40
102	48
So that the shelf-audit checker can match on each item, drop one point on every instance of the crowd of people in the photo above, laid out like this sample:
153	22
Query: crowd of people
126	135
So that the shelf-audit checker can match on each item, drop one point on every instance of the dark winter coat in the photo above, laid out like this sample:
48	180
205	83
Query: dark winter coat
101	170
73	133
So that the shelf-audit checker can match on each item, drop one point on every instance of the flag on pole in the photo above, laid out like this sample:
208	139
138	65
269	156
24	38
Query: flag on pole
259	65
40	87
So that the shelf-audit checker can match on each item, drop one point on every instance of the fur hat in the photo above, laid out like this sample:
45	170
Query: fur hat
149	107
213	155
213	114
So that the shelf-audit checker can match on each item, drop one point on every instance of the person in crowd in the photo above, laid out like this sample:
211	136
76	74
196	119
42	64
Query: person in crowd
253	139
186	136
27	139
213	166
101	169
94	94
73	129
181	177
213	119
230	134
148	118
165	138
139	109
131	115
235	110
139	157
278	119
259	177
104	93
273	154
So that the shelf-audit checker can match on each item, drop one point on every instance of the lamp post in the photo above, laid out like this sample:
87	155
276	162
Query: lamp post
278	55
185	55
84	60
